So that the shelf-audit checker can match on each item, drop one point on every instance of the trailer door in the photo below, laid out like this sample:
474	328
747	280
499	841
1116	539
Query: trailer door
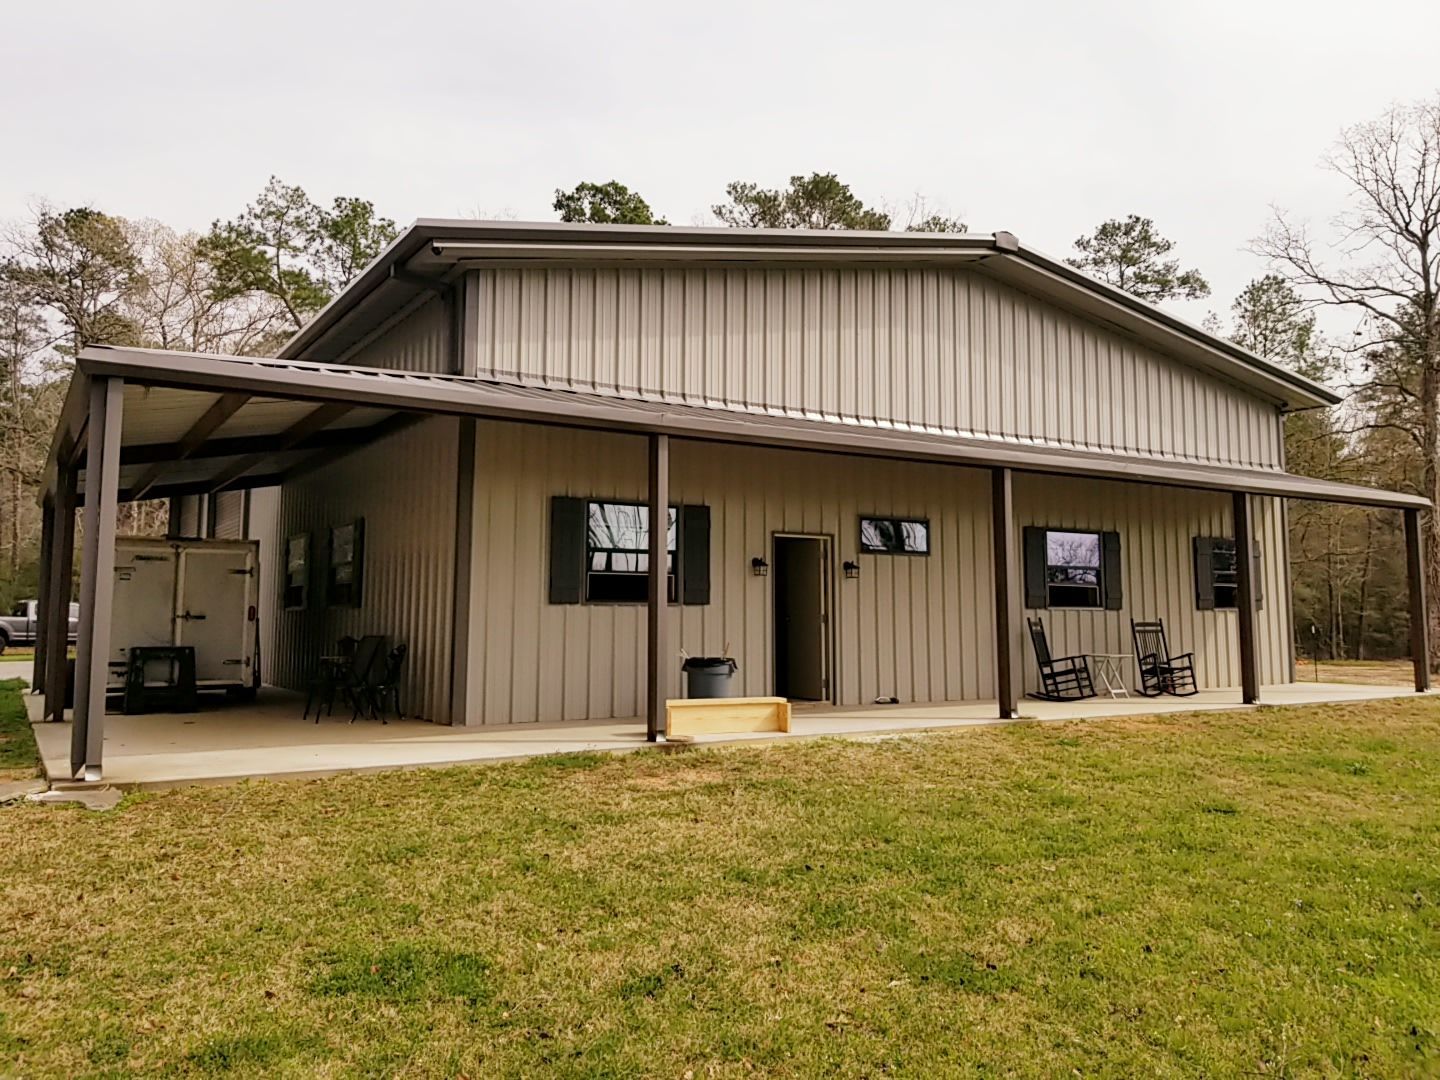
213	612
144	606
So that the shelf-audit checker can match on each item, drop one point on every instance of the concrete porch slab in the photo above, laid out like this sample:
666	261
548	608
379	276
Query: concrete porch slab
269	739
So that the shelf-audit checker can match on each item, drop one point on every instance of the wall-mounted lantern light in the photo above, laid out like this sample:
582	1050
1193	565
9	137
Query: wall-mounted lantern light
759	567
852	569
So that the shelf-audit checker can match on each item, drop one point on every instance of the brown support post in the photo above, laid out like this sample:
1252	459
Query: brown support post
97	575
658	607
462	710
62	573
1245	598
1419	617
42	603
1007	612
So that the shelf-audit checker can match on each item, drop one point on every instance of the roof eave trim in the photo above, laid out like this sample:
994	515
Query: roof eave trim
465	396
1292	390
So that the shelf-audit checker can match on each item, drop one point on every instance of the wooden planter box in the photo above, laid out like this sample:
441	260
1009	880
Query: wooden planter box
719	716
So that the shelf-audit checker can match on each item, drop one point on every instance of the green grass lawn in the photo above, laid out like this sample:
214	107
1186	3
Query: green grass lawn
1212	894
18	757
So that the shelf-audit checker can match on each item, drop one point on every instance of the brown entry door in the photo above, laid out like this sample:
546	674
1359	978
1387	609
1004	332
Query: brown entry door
801	625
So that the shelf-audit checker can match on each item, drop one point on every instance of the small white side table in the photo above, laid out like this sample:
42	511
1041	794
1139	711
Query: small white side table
1109	672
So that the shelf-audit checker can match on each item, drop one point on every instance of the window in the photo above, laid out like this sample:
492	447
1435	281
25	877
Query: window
1072	569
617	553
1217	578
1223	577
297	571
346	570
894	536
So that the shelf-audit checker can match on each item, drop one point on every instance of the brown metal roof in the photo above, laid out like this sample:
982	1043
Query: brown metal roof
198	422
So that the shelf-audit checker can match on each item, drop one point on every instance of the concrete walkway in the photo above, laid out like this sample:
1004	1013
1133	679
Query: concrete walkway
268	738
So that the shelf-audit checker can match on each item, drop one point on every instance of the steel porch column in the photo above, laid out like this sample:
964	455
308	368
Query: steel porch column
1245	597
1419	617
1008	648
62	573
97	575
42	602
658	606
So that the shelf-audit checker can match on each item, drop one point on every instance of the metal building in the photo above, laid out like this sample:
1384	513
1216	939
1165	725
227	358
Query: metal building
872	446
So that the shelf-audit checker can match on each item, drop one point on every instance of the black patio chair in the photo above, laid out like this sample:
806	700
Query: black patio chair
323	686
382	688
1065	678
1160	672
345	676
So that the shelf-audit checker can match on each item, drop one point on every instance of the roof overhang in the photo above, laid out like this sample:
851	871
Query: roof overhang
433	251
297	415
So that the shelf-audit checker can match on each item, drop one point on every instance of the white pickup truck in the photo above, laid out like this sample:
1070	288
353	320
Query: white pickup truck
20	626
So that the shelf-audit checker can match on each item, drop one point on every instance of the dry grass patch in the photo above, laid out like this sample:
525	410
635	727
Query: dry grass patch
1215	893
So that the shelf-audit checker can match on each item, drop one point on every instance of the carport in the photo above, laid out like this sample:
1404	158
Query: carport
146	424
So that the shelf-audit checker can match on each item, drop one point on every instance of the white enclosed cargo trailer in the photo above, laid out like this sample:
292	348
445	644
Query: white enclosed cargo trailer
201	593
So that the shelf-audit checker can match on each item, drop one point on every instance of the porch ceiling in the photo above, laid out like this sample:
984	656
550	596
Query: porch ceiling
178	441
194	422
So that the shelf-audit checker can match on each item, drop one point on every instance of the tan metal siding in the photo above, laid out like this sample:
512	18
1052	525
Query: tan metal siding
946	349
535	660
229	510
189	515
1156	527
404	488
263	520
418	339
917	628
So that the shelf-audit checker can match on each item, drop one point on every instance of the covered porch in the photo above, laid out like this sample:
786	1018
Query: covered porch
140	424
268	739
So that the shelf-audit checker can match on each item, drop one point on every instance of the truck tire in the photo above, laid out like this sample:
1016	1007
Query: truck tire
4	640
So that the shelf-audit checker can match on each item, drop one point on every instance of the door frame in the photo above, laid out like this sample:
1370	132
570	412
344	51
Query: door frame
828	652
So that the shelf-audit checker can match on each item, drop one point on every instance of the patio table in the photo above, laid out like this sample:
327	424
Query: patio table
1108	672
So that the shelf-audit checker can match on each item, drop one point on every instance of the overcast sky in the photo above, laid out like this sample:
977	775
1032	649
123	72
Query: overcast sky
1042	118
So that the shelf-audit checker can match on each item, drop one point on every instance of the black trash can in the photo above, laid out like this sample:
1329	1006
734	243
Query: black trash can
708	676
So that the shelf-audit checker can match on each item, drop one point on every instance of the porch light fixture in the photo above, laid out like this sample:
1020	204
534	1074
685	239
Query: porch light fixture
852	569
759	567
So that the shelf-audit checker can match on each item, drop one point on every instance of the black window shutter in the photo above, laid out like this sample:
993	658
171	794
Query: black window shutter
567	549
1204	574
1257	575
1034	542
695	554
1110	571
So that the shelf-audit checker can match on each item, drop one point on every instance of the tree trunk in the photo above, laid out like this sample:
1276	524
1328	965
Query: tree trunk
1332	613
1365	585
1430	447
15	497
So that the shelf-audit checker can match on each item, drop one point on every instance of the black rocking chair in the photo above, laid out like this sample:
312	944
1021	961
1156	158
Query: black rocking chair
1065	678
1160	672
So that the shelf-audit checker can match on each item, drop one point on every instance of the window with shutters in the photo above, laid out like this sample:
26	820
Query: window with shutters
894	536
1217	574
617	553
1073	569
